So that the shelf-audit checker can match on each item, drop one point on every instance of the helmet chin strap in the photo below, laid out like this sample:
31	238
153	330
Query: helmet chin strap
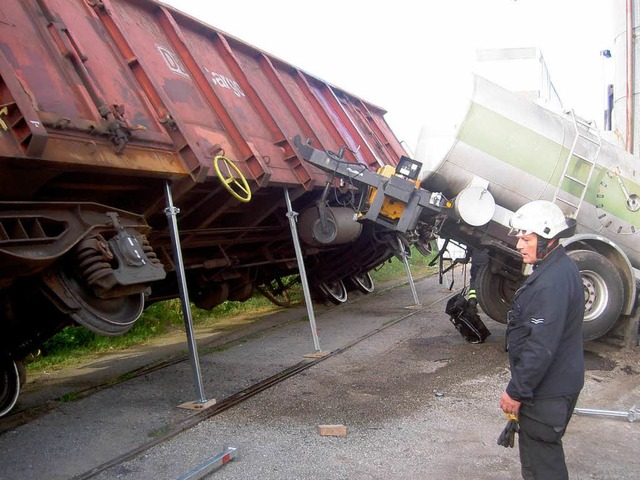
545	247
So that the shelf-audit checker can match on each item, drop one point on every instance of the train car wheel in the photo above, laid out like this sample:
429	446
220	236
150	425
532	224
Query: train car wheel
9	385
111	317
425	249
362	282
211	296
336	291
104	316
241	293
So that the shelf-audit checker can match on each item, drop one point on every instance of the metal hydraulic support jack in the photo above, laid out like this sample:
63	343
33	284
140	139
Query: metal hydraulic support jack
171	212
405	260
291	215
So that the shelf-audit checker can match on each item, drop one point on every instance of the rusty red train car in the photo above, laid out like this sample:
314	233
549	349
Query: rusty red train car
103	103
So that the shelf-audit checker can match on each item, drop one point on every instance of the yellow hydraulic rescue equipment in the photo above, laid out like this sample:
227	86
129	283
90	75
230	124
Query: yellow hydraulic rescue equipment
392	209
395	199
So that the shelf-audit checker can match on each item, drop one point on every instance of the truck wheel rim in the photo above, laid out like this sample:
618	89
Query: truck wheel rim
596	295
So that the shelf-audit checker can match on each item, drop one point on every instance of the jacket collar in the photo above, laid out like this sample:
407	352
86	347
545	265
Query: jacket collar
541	266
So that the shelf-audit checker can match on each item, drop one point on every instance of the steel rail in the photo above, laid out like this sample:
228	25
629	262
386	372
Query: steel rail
239	397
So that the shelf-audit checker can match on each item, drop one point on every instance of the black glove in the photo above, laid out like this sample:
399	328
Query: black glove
508	435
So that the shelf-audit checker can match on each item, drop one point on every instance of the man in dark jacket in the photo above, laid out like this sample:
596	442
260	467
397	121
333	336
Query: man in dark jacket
544	340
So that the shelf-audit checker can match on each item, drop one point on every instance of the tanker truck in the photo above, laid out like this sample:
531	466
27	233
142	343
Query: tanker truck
503	152
508	151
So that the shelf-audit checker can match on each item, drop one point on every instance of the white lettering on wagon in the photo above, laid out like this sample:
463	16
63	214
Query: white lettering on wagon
172	61
226	82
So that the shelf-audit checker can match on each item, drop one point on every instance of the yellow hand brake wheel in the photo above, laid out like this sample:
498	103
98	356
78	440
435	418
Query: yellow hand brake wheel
234	181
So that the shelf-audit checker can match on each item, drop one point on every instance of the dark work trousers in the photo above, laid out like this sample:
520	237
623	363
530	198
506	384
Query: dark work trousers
479	258
542	426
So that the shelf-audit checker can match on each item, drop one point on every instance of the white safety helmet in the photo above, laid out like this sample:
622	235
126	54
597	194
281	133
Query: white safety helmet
543	218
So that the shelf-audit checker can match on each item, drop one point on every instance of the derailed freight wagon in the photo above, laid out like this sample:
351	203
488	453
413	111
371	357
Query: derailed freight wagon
105	103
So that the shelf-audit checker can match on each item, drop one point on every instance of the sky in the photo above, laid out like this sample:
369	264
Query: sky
414	57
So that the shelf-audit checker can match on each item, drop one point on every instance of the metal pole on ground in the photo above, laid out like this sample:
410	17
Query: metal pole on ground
171	212
210	465
405	260
291	215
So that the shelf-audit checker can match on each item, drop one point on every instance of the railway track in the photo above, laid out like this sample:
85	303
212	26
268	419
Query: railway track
22	416
138	414
241	396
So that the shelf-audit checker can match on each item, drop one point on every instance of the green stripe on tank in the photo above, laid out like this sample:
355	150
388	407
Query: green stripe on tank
511	143
537	155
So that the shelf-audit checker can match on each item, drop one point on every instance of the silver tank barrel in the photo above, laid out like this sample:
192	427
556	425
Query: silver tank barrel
521	150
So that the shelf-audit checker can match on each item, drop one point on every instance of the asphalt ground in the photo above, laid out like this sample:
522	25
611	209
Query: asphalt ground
417	401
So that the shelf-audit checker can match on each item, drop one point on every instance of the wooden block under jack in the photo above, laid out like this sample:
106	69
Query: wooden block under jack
197	405
332	430
316	354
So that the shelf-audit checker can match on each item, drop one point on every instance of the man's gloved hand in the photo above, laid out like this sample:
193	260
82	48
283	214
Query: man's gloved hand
508	435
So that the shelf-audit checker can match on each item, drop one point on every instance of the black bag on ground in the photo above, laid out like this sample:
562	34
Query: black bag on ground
466	319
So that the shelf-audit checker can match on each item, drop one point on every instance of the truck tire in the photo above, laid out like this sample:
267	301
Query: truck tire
603	294
494	292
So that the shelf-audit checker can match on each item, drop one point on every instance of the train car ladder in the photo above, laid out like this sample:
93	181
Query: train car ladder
590	133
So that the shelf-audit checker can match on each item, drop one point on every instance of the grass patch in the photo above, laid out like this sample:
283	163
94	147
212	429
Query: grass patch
75	344
69	397
394	268
159	432
126	376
